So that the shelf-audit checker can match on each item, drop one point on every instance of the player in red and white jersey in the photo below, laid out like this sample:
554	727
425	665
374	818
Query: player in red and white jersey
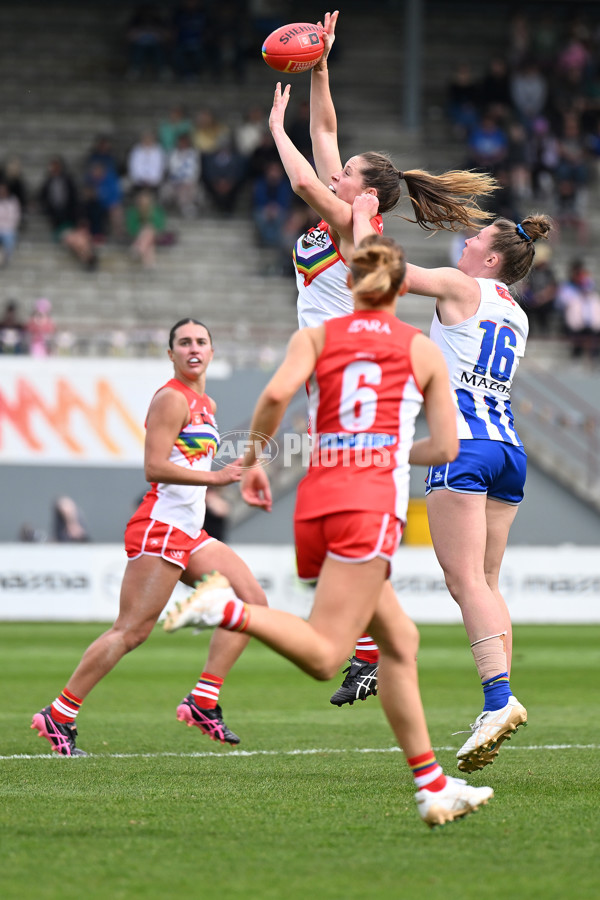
184	506
367	356
166	543
369	374
472	501
321	255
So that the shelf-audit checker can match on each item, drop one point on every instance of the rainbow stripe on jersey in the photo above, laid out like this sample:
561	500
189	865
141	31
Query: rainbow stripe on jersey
193	446
315	252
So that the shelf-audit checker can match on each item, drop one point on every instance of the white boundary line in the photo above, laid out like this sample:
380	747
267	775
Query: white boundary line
246	753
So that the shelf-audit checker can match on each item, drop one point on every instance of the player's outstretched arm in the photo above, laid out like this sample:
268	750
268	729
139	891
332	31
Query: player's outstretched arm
323	119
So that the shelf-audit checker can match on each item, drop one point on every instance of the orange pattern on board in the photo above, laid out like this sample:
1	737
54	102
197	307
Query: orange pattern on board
28	403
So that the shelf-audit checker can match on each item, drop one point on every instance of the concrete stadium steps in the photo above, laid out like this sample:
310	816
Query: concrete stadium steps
215	265
70	60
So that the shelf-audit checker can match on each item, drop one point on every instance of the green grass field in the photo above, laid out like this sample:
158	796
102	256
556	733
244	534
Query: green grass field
316	802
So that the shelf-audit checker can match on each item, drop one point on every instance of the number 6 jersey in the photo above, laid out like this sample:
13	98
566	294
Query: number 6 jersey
482	354
363	400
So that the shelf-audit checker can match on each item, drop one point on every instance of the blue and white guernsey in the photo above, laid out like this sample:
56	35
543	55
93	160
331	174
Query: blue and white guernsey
482	354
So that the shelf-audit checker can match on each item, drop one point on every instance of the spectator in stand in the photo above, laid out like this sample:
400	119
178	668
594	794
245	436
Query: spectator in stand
264	154
529	93
210	132
13	334
181	188
463	100
574	56
592	144
12	174
519	161
545	156
539	294
146	163
93	215
104	185
572	178
299	129
40	328
223	174
102	151
192	39
487	144
250	133
58	196
145	223
579	304
271	204
505	201
61	204
10	218
147	35
69	526
495	89
170	129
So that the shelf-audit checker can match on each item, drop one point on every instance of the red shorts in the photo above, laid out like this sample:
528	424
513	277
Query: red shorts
351	537
147	537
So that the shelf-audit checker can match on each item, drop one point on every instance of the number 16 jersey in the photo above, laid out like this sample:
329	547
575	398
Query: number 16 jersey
482	354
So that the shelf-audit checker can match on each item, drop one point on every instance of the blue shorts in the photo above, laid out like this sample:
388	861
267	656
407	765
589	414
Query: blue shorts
483	467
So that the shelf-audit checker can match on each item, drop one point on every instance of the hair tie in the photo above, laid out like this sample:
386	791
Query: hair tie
521	231
400	175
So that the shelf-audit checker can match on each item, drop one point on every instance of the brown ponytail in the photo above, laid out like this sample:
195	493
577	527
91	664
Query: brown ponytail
448	202
445	202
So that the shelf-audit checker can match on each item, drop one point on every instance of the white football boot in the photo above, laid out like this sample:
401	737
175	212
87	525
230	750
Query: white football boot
456	800
489	730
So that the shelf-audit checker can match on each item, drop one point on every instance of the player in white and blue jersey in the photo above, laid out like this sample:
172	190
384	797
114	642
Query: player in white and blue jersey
472	502
482	354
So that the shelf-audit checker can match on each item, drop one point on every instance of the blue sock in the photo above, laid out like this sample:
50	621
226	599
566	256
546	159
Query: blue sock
496	692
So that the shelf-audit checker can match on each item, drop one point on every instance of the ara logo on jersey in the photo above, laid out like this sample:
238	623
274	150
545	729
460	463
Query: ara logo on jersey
504	293
373	325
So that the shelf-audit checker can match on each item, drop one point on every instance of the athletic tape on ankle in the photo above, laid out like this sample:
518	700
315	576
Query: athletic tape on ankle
490	658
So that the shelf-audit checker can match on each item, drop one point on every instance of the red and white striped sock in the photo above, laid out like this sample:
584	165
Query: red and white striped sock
65	707
236	615
427	772
206	692
366	649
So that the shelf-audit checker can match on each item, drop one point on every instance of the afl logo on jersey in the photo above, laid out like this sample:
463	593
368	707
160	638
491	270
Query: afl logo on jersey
504	293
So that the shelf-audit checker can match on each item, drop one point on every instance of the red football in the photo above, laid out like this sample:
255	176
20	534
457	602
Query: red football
294	48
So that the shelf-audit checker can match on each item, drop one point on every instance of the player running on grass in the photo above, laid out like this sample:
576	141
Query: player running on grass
166	543
472	501
369	374
320	255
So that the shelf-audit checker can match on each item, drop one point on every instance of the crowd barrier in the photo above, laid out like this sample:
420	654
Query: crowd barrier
80	582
